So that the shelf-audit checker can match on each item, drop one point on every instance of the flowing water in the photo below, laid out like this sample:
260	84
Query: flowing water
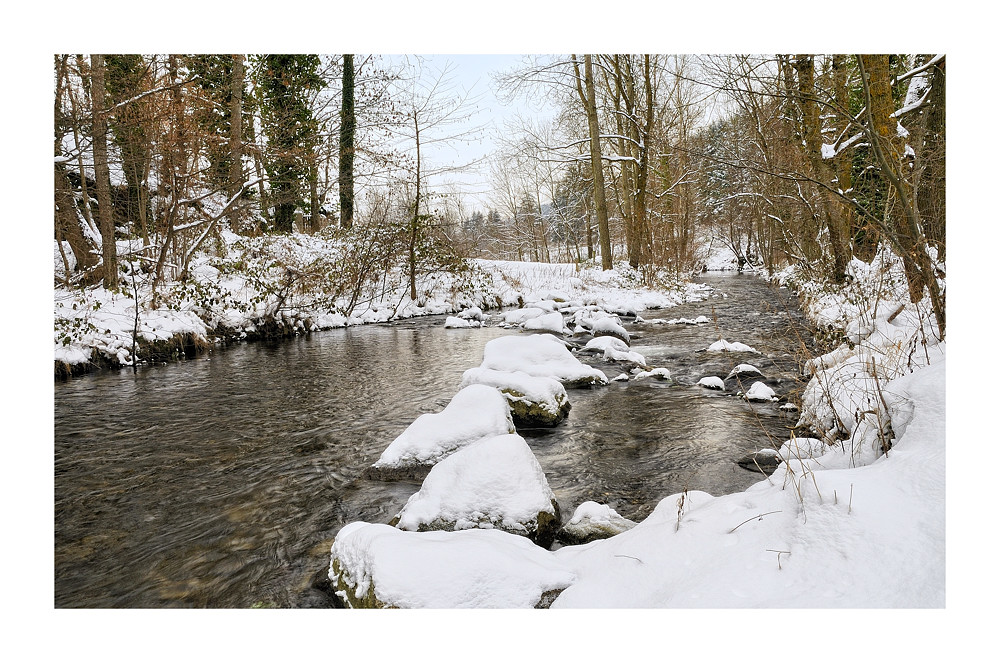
221	481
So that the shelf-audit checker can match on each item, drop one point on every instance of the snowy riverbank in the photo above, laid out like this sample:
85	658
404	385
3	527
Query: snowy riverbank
853	520
287	285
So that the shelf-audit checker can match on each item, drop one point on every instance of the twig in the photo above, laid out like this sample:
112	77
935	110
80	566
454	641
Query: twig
630	557
780	553
759	516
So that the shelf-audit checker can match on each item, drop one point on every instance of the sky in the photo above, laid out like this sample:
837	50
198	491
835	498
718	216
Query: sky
473	75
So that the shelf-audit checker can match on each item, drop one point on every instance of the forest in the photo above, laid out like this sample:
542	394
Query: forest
787	160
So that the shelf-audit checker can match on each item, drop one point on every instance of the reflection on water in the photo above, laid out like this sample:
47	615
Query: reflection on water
221	481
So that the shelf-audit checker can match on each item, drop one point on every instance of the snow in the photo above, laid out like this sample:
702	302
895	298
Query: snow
493	483
722	345
712	382
468	569
475	412
659	373
593	520
544	391
552	322
759	392
541	355
744	370
612	354
602	343
454	322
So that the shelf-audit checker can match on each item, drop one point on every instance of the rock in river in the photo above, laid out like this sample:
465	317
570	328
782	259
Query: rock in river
377	566
476	412
495	483
592	521
533	401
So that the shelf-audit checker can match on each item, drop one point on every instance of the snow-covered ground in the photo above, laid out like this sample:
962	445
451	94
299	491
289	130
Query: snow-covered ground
842	523
237	289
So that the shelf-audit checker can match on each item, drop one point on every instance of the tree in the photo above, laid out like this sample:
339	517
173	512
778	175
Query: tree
236	178
283	86
430	108
102	173
348	125
588	96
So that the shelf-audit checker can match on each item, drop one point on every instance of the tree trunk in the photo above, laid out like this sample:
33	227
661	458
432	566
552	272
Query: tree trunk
236	139
102	172
347	129
931	196
600	204
889	150
821	171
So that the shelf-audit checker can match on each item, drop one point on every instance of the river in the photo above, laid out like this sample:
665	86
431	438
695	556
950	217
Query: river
220	482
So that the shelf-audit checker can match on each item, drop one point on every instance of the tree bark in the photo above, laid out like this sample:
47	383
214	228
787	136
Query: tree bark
236	139
346	161
100	124
889	151
821	171
600	204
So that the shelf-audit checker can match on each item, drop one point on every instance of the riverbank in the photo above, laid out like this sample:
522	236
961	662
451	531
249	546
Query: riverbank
283	286
852	519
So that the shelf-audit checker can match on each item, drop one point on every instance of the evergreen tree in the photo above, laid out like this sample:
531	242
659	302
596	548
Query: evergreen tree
284	84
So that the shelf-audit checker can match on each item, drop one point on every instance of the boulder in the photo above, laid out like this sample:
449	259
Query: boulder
547	322
760	392
495	483
712	382
540	355
765	460
742	371
533	401
722	345
378	566
476	412
609	326
592	521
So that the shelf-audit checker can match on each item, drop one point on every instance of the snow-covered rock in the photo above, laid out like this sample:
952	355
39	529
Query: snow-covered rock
521	315
611	354
541	355
741	371
592	521
722	345
601	343
472	313
453	322
475	412
712	382
759	392
533	400
494	483
378	566
610	327
658	373
549	322
763	460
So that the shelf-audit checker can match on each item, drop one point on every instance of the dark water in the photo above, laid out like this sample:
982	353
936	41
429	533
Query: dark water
221	482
